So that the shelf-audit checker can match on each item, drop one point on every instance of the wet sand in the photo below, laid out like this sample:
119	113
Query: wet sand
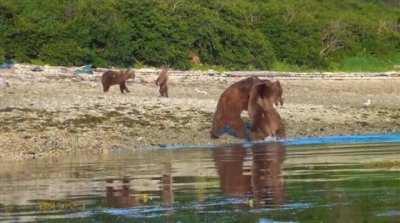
45	115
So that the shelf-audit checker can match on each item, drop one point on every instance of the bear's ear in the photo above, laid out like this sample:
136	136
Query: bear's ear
165	68
277	86
264	89
131	73
276	83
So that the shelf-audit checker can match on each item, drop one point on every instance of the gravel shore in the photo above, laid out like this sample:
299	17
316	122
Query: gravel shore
55	112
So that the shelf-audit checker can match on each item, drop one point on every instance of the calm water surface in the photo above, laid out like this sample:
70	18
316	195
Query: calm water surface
264	183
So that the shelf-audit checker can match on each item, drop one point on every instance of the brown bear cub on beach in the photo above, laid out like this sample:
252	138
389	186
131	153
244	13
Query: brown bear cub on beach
162	82
234	100
110	78
266	121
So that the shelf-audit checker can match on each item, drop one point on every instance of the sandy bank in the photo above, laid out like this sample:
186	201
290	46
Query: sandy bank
54	112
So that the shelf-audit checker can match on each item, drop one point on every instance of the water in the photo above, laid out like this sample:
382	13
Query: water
260	183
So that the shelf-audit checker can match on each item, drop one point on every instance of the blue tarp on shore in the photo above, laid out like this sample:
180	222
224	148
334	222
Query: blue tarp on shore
311	140
346	139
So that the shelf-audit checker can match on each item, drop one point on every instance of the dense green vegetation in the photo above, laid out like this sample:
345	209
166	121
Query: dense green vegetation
235	34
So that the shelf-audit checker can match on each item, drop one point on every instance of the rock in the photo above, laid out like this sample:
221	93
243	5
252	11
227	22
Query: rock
3	83
367	103
37	69
200	91
87	69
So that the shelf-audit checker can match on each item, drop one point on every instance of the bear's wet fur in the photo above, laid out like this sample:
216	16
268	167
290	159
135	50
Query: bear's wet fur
234	100
265	119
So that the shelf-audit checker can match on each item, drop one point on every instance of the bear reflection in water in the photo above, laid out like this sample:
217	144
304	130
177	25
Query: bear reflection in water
120	197
119	193
253	173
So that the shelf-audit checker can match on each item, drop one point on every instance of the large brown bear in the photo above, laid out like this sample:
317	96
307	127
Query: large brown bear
266	120
162	82
234	100
110	78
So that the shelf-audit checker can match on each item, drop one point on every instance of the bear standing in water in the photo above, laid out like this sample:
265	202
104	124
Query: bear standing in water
235	99
265	119
110	78
162	82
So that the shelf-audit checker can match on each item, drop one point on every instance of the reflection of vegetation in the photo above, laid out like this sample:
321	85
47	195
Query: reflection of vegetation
323	192
384	164
359	198
240	34
8	208
358	195
50	205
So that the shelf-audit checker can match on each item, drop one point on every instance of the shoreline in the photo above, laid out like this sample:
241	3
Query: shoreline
62	72
45	114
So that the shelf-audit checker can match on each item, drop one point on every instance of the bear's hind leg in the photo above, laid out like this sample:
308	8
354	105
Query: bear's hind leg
217	128
125	87
240	128
161	91
166	91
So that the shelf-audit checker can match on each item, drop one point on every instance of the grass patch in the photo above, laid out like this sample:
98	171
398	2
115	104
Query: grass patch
362	63
282	66
367	64
37	62
206	67
139	65
384	164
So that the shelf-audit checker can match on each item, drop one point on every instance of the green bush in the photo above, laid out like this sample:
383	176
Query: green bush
65	53
234	34
363	63
37	62
2	58
281	66
204	67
